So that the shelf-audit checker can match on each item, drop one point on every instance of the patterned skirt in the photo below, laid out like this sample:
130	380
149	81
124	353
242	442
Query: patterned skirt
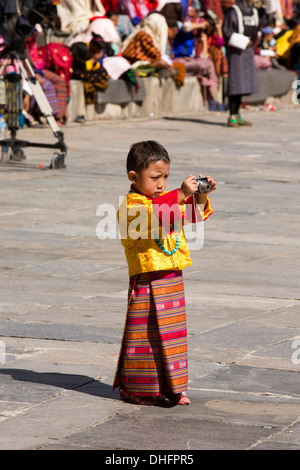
153	354
242	79
61	91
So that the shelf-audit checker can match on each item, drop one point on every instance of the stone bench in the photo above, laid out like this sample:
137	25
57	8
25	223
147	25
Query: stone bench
155	98
160	97
272	83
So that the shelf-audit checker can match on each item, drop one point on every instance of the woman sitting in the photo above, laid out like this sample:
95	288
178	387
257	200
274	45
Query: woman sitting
147	46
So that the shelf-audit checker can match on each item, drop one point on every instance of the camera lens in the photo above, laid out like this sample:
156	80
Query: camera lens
203	185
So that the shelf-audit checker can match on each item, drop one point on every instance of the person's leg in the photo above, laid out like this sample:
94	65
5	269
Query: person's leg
169	300
61	93
140	373
234	102
240	119
234	105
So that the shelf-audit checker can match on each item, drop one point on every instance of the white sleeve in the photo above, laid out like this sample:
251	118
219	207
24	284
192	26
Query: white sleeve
267	53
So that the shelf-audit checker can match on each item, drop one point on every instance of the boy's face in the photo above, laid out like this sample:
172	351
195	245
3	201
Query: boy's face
98	55
269	37
153	180
114	19
172	32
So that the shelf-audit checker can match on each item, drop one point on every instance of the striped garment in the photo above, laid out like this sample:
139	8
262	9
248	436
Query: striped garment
49	91
286	8
219	60
141	47
61	91
153	355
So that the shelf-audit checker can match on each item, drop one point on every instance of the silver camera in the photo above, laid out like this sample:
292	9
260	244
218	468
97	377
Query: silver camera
203	185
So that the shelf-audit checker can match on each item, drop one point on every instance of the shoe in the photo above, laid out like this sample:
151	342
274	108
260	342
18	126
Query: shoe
137	400
216	106
80	119
177	398
232	122
242	122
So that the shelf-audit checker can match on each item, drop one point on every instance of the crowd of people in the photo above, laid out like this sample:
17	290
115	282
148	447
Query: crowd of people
219	41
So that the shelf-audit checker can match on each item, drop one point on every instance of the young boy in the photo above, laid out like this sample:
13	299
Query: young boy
153	357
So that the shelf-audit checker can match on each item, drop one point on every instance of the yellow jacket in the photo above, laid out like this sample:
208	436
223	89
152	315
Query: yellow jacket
283	45
141	224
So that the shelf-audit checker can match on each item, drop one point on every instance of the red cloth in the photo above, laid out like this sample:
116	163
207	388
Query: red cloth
111	5
58	59
168	212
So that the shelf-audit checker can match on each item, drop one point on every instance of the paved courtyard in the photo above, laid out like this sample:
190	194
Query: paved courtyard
64	291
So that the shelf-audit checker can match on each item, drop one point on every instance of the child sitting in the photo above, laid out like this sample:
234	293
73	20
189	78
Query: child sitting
95	77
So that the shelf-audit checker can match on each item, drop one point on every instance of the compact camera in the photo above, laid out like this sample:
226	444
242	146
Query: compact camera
203	185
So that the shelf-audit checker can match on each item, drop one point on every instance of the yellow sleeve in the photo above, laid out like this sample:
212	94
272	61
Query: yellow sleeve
193	212
135	217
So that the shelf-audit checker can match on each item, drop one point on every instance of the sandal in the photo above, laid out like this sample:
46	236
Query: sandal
136	399
178	398
232	122
243	122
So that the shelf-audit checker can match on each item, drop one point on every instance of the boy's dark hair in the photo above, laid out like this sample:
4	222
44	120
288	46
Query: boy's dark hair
143	153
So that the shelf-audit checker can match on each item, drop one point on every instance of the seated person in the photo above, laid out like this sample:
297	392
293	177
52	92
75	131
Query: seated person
147	47
94	76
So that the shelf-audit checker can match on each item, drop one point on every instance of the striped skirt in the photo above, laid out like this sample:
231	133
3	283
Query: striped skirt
153	355
50	93
61	91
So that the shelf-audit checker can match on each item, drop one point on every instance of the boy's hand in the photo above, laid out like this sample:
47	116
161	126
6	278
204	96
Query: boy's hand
201	198
188	187
212	183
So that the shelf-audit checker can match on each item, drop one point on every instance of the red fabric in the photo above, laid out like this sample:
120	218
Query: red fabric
167	218
111	5
151	4
97	18
58	59
190	214
137	9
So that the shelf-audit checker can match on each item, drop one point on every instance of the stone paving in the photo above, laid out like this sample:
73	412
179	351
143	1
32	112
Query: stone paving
63	291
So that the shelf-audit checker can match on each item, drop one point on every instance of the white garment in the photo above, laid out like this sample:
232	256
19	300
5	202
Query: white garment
162	3
75	14
156	26
103	27
239	40
115	66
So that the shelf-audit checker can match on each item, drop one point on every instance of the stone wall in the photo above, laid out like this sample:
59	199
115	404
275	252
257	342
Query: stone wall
160	97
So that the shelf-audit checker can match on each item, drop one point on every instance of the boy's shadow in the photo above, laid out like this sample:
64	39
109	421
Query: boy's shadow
80	383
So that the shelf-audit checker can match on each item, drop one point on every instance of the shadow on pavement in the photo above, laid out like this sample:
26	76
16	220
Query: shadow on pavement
80	383
197	121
